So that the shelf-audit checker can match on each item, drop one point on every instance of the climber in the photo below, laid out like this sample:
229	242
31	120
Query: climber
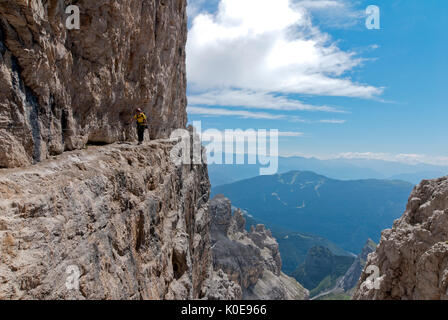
142	124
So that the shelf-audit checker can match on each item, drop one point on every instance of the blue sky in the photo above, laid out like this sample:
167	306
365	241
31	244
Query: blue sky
311	69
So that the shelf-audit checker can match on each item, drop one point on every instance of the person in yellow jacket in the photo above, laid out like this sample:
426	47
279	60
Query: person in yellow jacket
142	124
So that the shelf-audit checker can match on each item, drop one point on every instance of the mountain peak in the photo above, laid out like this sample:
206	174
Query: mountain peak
306	202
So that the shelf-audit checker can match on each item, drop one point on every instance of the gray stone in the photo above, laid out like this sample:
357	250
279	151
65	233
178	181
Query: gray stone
60	88
129	238
412	257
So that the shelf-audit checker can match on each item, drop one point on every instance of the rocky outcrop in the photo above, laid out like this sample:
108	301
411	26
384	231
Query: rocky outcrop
351	277
61	88
249	259
412	257
134	226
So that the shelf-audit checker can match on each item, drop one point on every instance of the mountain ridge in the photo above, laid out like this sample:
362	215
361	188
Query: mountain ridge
339	169
311	203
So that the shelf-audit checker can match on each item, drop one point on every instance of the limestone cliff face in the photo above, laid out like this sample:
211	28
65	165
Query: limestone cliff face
249	259
110	222
412	257
135	225
60	88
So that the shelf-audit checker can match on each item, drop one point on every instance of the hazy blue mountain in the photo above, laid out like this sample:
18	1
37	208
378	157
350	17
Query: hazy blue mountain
294	246
345	212
390	169
341	169
337	169
225	174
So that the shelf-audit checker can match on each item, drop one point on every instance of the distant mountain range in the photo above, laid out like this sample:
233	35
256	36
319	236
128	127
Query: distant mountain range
341	169
345	212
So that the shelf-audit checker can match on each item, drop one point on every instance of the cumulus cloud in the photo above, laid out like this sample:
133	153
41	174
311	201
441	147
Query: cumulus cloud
269	46
255	100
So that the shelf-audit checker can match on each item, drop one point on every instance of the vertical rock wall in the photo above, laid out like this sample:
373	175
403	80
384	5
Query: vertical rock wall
60	88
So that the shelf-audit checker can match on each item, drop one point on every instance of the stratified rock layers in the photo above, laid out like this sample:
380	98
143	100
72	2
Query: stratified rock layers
412	257
60	88
132	223
249	259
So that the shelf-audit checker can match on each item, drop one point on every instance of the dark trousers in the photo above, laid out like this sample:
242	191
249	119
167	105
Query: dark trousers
141	132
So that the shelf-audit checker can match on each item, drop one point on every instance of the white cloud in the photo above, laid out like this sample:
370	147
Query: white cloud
334	13
248	135
243	114
236	113
333	121
321	4
412	159
402	157
269	46
253	99
290	134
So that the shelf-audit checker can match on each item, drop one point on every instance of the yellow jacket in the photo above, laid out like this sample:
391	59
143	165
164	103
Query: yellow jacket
141	118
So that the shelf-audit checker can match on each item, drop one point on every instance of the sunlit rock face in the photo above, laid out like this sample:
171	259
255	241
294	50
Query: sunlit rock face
412	257
61	88
130	222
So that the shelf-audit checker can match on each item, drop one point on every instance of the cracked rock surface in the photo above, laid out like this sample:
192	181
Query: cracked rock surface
412	257
60	88
134	225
